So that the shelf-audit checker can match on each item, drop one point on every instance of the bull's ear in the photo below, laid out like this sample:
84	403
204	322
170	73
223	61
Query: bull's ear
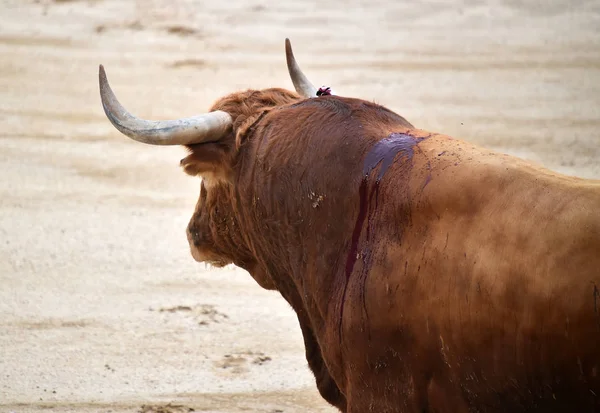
209	160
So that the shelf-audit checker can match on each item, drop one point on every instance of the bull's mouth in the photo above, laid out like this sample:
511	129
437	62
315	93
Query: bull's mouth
217	263
212	261
207	257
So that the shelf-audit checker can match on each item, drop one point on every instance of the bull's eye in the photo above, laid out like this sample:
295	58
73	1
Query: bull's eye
195	235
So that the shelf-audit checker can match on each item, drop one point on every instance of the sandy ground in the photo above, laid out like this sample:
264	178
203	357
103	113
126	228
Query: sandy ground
102	308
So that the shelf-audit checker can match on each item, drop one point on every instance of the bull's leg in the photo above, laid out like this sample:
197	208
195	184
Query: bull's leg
421	384
444	396
422	394
386	390
325	383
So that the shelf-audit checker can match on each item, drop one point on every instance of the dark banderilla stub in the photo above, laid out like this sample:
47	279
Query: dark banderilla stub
324	91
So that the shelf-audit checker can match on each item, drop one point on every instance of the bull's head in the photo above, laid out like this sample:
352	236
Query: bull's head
214	140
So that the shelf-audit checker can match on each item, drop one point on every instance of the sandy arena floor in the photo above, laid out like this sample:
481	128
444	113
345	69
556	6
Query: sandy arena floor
102	308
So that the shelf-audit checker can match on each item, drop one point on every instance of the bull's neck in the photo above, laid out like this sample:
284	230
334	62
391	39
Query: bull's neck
311	218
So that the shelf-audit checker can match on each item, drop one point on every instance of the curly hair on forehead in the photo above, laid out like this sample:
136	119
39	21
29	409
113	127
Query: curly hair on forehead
248	106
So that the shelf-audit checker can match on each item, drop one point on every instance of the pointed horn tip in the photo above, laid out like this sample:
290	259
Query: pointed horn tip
102	77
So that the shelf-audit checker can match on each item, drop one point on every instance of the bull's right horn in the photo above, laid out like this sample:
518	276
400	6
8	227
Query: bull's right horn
208	127
303	86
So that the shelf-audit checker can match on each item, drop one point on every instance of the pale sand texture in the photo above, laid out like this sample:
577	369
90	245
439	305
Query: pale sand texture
92	242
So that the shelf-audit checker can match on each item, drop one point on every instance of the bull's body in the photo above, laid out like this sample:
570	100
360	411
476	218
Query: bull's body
463	278
427	274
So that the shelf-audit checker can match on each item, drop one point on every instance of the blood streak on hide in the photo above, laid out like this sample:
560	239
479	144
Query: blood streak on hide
386	150
383	152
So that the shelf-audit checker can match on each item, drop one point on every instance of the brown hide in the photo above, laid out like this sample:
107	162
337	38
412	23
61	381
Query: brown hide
428	275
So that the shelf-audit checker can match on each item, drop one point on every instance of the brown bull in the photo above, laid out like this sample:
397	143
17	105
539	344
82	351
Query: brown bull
427	274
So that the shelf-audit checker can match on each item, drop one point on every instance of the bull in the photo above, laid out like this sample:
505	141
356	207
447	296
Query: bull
427	274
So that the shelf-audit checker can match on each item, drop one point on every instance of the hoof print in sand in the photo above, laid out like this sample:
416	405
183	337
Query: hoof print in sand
202	314
208	314
239	363
167	408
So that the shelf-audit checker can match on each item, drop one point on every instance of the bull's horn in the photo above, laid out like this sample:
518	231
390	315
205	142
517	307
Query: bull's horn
208	127
301	82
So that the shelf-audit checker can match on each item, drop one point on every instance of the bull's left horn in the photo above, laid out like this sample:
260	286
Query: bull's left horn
303	86
208	127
